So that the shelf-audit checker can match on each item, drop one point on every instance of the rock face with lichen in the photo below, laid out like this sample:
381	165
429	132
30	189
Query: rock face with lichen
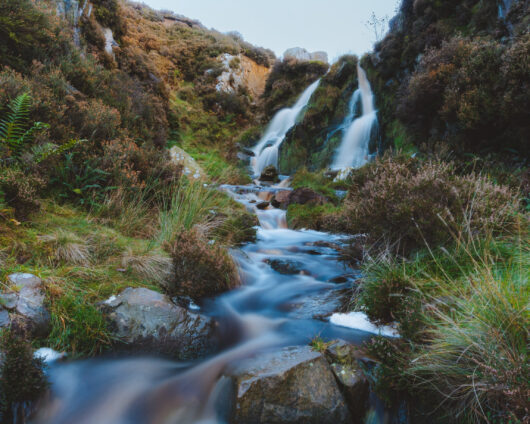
293	385
22	306
147	321
240	72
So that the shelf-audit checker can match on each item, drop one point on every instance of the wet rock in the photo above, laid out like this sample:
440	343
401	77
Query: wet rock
341	279
324	243
285	266
270	173
294	385
305	195
22	306
148	321
281	199
353	383
263	205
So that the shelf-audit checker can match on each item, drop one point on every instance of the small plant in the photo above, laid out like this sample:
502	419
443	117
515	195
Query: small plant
319	345
200	269
22	379
68	247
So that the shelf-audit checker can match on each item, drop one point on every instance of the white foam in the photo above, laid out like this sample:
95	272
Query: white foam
359	321
48	355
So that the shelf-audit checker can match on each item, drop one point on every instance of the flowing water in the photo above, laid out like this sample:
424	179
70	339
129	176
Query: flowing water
353	151
266	151
291	279
292	282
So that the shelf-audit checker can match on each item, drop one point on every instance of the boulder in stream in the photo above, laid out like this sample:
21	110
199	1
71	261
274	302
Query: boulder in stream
270	173
293	385
147	321
22	305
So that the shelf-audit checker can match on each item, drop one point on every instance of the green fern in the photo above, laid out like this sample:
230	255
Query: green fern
15	132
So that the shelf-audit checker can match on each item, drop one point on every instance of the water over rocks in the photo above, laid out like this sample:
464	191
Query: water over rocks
147	321
22	305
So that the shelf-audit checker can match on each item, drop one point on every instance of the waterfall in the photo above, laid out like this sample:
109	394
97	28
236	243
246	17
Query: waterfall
266	150
353	150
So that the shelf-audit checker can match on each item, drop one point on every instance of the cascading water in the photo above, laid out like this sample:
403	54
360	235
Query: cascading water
353	151
266	151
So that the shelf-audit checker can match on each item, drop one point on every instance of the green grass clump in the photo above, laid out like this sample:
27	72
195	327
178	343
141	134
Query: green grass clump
463	314
316	181
316	217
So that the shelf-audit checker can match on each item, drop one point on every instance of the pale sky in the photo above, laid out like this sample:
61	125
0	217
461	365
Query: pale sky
334	26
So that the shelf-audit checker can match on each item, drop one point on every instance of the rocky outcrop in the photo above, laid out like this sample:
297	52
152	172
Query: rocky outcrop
302	55
242	72
22	306
294	385
146	321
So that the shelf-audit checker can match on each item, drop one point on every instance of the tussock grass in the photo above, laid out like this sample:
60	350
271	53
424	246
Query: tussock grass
463	314
149	265
68	247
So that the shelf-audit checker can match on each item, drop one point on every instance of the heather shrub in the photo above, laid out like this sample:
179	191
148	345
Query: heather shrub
21	191
201	269
405	204
469	93
22	379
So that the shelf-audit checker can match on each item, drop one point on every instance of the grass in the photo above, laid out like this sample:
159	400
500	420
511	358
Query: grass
463	314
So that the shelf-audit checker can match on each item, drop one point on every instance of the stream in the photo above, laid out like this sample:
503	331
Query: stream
291	281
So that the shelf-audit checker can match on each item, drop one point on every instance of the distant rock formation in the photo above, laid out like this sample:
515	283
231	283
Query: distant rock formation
302	55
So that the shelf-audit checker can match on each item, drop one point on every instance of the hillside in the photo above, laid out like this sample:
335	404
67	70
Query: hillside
287	240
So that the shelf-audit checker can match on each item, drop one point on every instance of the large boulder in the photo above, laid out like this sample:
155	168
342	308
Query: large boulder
302	196
293	385
148	321
22	305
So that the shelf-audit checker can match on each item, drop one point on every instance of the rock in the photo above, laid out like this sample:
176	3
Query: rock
294	385
281	199
22	307
305	195
343	358
343	361
148	321
319	57
297	53
270	173
242	72
285	266
302	55
263	205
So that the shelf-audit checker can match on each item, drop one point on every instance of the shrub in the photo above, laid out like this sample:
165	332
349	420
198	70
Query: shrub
201	269
21	191
237	229
22	379
406	204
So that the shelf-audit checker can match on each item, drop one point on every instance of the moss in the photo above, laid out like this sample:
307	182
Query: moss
316	217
